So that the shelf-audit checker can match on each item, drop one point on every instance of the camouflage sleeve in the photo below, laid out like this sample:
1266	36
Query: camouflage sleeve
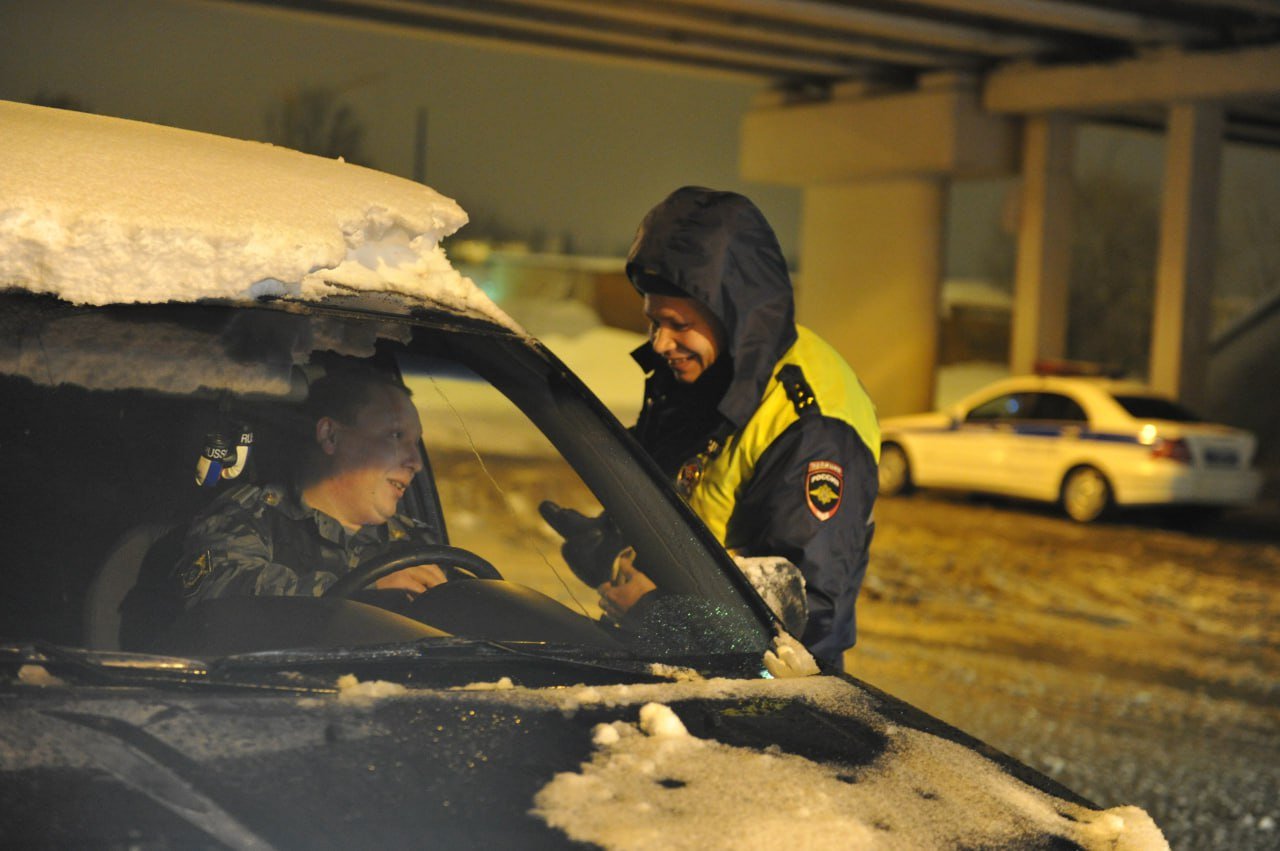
228	552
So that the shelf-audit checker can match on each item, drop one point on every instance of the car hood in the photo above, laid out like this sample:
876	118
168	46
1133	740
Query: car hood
374	764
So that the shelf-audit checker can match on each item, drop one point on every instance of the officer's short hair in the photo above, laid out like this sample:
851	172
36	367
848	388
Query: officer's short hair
340	393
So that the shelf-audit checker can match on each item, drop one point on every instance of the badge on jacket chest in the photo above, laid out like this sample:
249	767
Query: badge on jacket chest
688	477
823	487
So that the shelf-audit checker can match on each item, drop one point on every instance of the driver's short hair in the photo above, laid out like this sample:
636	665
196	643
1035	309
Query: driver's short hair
342	391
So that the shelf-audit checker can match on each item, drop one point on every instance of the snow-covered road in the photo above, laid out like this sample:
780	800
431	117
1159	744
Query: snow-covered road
1135	663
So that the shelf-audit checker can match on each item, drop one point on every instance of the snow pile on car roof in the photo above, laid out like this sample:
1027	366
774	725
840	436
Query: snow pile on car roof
100	210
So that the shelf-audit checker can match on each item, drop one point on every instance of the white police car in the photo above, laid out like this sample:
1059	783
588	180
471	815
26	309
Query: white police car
1089	443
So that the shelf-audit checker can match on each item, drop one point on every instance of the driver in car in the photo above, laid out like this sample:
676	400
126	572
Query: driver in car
341	509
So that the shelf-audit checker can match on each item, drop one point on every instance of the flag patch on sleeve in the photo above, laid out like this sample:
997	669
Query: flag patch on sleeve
823	487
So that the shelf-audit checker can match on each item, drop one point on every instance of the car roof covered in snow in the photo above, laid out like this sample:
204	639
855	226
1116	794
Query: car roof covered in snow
100	210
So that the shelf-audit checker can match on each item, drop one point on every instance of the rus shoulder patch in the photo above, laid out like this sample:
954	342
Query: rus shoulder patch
194	573
823	488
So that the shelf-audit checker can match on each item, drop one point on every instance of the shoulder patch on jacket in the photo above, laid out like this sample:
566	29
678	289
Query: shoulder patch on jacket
823	488
797	387
194	573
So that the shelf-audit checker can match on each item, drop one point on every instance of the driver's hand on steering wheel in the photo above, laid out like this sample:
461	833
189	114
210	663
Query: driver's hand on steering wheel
415	580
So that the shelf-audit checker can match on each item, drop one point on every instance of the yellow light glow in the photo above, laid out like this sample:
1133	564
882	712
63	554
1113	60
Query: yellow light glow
1147	435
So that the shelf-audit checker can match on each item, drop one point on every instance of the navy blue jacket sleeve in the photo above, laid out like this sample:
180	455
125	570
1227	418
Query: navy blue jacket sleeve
776	514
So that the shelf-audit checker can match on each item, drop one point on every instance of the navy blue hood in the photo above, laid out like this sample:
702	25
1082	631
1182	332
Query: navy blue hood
717	248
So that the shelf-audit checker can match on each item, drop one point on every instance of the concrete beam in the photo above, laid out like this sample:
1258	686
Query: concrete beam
1184	270
928	132
1245	74
1079	17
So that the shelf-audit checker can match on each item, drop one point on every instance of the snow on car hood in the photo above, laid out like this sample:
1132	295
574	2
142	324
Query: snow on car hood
651	784
100	210
719	763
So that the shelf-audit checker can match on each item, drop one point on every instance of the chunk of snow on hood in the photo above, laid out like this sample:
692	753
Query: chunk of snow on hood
100	210
642	790
674	672
352	690
502	684
37	675
789	658
659	720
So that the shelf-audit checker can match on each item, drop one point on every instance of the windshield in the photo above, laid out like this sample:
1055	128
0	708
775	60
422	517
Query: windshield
146	445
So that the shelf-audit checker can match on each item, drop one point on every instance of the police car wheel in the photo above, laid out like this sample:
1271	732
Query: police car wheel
1086	495
456	563
895	471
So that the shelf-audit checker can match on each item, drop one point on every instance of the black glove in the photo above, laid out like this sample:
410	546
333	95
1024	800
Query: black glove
590	543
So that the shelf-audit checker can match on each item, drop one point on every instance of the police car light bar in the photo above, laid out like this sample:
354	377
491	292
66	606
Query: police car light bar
1055	366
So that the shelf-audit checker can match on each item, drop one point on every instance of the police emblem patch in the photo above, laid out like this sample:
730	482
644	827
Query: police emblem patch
823	487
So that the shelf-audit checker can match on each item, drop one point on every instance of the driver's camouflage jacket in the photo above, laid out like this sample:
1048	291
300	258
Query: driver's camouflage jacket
262	540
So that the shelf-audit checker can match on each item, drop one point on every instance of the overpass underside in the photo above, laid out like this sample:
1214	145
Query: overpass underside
875	166
874	107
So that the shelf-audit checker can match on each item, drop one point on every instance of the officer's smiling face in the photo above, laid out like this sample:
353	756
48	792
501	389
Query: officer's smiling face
374	458
685	334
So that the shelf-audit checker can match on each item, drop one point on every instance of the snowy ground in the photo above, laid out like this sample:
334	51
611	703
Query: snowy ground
1135	663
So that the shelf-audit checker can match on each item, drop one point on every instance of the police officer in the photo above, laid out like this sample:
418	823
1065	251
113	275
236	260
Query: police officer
765	429
298	538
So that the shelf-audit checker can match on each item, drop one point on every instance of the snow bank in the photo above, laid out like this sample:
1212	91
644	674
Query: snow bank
652	785
601	357
100	210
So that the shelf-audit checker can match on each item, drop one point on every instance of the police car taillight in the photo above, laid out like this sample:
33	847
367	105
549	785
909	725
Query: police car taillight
1174	450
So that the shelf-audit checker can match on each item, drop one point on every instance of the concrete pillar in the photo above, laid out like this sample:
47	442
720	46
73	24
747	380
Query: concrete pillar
1184	264
1043	267
874	165
869	284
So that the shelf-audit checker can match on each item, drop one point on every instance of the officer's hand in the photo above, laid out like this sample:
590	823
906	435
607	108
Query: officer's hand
415	580
626	588
590	543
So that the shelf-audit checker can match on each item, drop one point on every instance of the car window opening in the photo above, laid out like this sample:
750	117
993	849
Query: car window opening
506	500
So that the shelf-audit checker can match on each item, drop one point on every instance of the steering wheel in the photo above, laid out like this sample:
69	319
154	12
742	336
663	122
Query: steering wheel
456	563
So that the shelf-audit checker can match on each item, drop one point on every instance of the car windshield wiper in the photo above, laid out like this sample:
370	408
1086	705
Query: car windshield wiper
107	668
434	661
624	661
454	659
438	651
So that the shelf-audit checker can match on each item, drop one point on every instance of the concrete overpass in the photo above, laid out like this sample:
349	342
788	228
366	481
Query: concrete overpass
874	106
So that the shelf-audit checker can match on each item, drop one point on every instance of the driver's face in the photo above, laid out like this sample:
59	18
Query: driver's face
374	459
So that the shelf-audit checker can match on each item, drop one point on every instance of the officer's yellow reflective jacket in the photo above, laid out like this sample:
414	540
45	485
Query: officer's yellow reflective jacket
776	446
